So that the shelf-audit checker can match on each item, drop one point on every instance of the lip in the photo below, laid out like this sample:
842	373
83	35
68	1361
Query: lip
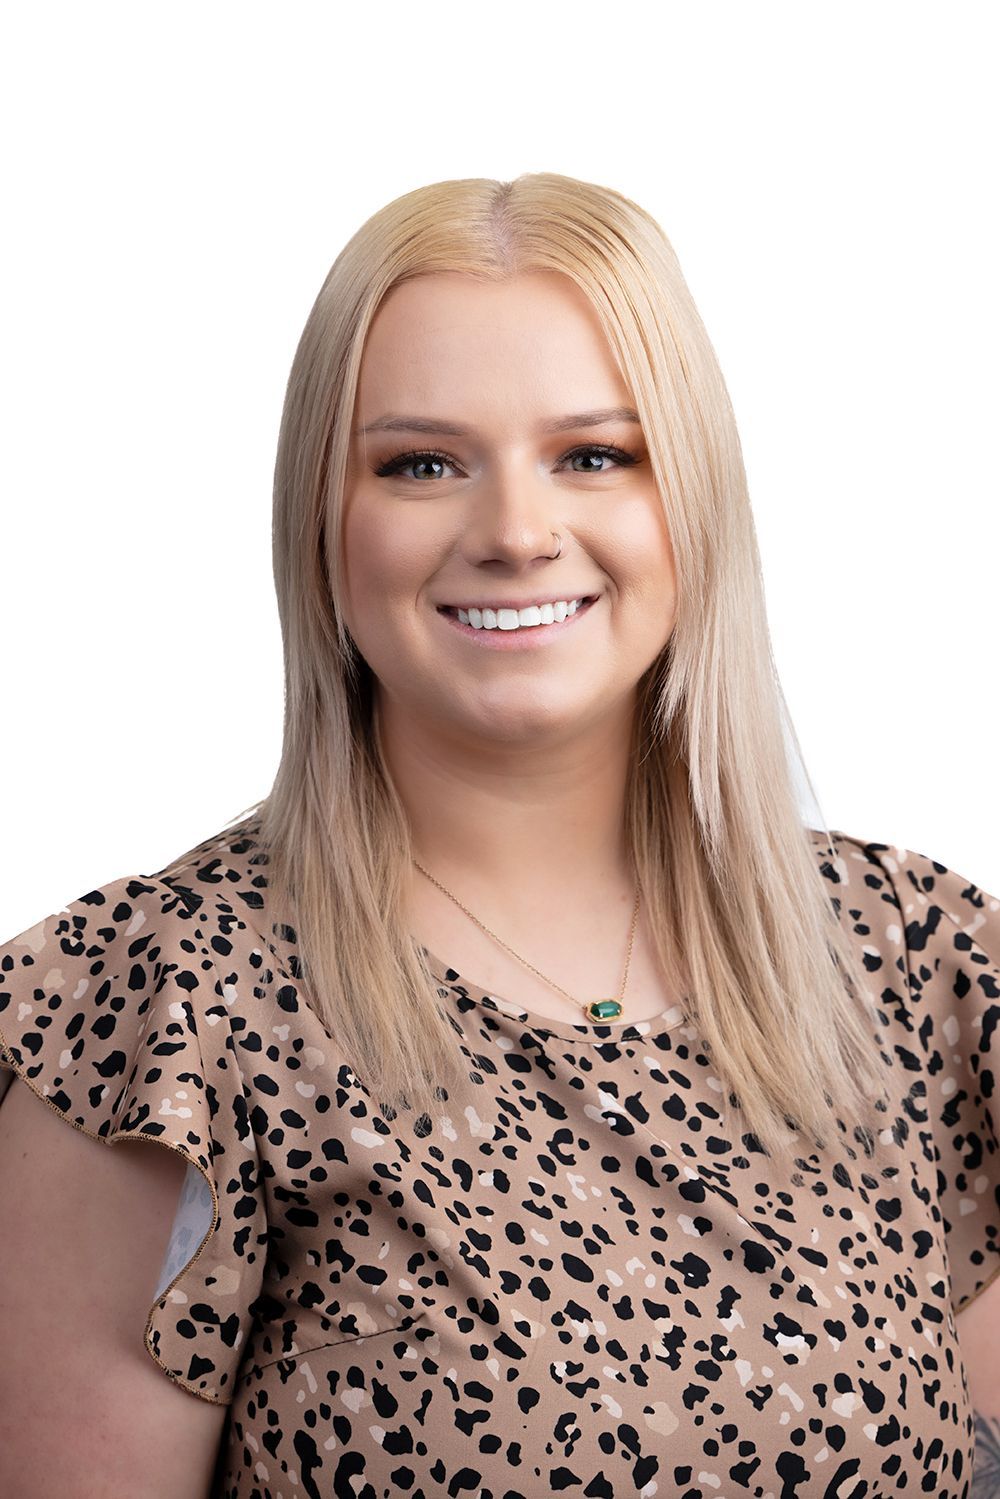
528	638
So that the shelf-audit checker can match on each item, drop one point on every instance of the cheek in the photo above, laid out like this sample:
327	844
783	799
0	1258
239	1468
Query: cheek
361	564
638	553
658	552
646	583
369	556
656	537
386	565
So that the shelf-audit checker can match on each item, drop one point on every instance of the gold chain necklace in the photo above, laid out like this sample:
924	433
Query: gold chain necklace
595	1009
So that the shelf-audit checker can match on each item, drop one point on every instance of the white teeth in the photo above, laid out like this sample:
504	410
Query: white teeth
516	619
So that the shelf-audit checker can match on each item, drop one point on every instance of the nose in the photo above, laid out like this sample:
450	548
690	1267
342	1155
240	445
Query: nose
511	518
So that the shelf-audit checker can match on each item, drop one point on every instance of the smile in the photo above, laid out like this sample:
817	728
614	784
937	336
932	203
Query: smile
501	618
517	629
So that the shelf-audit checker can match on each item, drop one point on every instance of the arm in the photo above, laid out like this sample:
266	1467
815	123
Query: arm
979	1337
84	1410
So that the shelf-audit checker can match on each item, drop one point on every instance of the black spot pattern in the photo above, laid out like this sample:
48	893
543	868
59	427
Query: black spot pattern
580	1286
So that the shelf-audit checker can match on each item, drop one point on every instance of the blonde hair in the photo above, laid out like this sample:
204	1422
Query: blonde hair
733	893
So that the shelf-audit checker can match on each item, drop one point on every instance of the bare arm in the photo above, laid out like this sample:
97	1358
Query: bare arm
84	1227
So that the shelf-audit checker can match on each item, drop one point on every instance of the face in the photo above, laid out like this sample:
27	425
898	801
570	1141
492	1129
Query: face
499	444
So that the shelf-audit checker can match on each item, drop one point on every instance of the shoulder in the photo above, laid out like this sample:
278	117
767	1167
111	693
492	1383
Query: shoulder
131	1011
928	935
65	966
227	869
919	889
115	1005
930	939
205	885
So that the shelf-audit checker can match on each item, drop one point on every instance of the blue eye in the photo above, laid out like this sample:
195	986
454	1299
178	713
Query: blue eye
401	461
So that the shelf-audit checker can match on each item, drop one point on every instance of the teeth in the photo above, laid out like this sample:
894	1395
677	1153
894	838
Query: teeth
516	619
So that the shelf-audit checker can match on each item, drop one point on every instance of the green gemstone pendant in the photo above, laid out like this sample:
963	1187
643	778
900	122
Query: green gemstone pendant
604	1009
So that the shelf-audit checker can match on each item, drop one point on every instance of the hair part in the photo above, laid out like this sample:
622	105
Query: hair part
734	897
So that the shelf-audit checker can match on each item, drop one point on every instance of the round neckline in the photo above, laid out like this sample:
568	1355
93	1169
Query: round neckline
582	1031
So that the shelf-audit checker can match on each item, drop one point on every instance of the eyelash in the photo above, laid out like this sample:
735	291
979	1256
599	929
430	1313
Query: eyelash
392	466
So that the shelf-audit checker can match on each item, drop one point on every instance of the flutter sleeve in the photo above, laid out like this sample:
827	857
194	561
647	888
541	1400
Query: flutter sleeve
951	934
112	1010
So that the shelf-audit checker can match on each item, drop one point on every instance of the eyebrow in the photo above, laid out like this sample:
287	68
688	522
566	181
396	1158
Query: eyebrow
435	427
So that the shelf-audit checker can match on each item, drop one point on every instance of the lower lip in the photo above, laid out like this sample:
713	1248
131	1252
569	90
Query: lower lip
525	638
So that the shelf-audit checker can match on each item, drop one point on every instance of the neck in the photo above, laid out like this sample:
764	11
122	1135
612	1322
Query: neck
542	824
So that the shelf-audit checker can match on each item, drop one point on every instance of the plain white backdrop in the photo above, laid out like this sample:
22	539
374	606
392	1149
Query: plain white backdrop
178	182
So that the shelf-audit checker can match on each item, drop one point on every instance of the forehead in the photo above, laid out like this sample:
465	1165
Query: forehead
532	339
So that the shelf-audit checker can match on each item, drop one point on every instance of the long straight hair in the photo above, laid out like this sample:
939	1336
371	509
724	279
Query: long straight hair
734	897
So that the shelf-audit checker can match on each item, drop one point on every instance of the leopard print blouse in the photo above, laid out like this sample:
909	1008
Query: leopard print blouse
584	1285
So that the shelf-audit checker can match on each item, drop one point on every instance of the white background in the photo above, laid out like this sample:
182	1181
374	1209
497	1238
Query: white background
179	180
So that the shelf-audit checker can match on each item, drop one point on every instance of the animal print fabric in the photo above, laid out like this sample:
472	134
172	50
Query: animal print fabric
583	1285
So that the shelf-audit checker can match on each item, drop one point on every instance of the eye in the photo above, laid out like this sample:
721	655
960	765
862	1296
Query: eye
407	460
401	461
602	450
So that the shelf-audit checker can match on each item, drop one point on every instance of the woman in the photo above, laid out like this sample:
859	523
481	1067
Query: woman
558	1109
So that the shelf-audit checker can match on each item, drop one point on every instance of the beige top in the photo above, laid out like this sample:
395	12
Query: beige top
585	1286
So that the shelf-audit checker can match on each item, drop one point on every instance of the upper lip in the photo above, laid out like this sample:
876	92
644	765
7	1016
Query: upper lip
546	598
